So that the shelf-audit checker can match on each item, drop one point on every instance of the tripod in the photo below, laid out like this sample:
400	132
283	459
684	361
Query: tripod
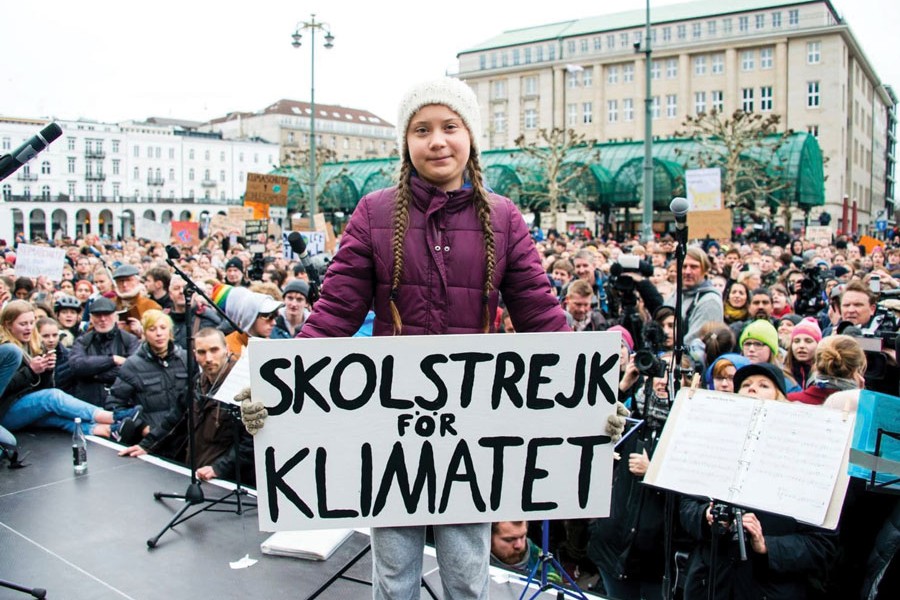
546	561
193	496
35	592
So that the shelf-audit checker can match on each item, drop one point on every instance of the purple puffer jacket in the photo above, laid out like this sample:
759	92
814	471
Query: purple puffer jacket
443	271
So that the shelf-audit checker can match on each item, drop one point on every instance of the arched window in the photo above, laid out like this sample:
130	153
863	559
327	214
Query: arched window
45	167
45	192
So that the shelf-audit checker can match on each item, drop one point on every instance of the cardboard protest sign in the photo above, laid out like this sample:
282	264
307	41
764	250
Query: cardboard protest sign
820	235
186	232
260	210
149	229
35	261
704	188
315	243
716	224
267	189
413	430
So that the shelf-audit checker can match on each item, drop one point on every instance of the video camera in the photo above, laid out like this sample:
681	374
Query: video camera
646	359
879	340
257	263
811	295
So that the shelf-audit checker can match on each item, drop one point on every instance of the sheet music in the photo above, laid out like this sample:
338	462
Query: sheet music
707	444
237	380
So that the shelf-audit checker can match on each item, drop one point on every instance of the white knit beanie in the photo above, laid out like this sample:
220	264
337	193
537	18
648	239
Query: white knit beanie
452	93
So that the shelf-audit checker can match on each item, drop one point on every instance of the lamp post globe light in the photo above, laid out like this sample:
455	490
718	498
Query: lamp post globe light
312	25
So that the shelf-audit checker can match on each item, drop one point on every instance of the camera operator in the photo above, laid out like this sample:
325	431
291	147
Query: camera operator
701	303
628	275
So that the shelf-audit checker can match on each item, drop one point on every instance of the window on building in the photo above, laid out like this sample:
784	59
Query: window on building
748	60
747	100
115	146
583	44
717	100
158	151
191	174
681	32
628	73
171	174
612	111
191	154
498	89
726	25
793	17
515	56
570	47
115	166
699	102
70	144
500	121
610	42
71	164
551	52
765	98
531	86
7	191
482	62
137	151
572	79
655	70
813	53
623	40
116	190
667	34
171	153
528	54
587	77
743	24
654	107
760	21
493	60
696	30
222	176
700	65
766	58
671	106
504	59
137	173
718	63
598	44
587	113
206	176
628	109
531	120
612	74
671	68
571	114
776	19
711	28
812	94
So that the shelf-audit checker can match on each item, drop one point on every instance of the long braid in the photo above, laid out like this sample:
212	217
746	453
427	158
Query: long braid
483	209
401	222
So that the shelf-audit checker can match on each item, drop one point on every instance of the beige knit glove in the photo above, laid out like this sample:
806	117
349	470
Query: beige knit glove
615	424
253	414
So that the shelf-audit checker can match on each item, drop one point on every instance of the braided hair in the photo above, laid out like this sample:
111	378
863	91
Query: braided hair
482	204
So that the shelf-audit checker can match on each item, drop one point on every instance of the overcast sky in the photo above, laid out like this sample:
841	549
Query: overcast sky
110	60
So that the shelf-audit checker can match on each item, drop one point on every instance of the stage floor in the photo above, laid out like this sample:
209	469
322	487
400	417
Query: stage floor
86	537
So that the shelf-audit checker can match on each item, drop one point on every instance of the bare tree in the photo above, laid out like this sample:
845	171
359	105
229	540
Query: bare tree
746	147
295	164
552	153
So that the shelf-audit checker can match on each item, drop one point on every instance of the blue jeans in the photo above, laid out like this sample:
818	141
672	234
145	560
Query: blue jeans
10	359
51	408
463	554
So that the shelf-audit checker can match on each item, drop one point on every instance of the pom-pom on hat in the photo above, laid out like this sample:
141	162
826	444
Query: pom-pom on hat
808	326
447	91
626	336
763	331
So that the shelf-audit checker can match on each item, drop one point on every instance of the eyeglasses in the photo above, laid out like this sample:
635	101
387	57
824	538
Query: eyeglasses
753	344
723	379
269	317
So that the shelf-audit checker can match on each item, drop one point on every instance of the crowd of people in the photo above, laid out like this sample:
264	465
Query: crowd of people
779	319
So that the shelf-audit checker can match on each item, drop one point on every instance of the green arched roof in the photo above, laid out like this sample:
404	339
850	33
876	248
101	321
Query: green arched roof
614	174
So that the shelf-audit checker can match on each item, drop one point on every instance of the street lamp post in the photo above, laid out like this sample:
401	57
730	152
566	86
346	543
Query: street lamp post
312	25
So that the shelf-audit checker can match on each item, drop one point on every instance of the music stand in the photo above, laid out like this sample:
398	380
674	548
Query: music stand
194	496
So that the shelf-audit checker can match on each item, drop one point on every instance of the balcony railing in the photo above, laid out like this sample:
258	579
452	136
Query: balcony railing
155	181
123	200
23	176
94	154
208	183
91	176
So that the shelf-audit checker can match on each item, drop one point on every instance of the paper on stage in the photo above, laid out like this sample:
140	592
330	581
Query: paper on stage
237	380
311	545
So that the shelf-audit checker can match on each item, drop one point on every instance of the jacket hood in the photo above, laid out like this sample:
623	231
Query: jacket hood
736	359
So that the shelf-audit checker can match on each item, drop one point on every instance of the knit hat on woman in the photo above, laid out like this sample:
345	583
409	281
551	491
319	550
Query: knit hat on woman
808	326
763	331
447	91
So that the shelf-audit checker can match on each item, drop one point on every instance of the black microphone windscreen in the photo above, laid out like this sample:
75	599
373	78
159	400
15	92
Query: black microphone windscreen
172	252
51	132
679	206
297	243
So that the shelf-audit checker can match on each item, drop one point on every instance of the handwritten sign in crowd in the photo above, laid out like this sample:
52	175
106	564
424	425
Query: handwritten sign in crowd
414	430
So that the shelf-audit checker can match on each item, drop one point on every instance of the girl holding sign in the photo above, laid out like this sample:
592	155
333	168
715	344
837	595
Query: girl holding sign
432	255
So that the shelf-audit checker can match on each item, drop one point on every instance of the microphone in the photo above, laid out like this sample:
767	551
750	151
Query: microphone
298	246
172	252
9	163
680	207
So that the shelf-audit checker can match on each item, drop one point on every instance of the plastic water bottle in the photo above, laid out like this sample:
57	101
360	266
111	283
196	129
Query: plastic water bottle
79	449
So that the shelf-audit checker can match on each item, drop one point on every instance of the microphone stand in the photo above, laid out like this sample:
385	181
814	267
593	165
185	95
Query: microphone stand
194	493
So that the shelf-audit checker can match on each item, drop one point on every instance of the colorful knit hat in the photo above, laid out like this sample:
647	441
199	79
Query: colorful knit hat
808	326
626	337
763	331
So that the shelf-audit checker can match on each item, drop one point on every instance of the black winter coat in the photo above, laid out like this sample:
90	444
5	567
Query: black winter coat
92	365
23	382
795	553
156	384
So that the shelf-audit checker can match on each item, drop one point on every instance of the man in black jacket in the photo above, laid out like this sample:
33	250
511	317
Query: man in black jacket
96	355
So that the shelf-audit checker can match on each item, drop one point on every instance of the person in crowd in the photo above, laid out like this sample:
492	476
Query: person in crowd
253	312
664	315
584	262
234	272
781	304
68	313
29	398
156	282
83	290
291	317
98	354
440	181
204	316
800	357
767	271
858	305
129	300
561	275
579	314
155	379
214	425
761	304
700	303
839	364
23	288
512	549
715	340
719	374
785	326
783	555
49	330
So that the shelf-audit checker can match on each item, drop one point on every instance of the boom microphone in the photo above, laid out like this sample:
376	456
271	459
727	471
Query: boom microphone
172	252
680	207
298	246
9	163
